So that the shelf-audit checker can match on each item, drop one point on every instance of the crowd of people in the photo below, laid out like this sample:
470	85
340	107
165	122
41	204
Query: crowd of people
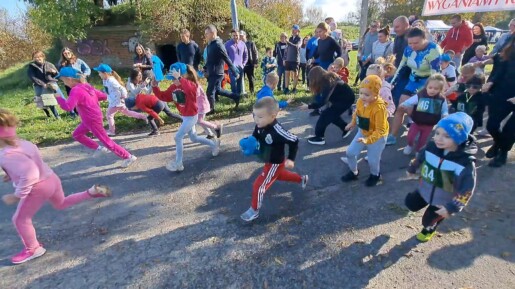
440	87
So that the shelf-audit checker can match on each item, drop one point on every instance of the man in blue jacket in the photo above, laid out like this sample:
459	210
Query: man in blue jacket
214	68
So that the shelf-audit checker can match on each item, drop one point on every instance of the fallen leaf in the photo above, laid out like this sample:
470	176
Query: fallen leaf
278	261
388	264
103	231
410	227
366	259
505	254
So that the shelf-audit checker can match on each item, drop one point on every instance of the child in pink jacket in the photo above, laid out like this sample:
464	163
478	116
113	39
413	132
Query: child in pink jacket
203	109
85	97
34	184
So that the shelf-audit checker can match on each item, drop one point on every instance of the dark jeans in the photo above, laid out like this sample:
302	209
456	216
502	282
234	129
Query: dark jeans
331	115
214	88
281	71
303	67
236	84
249	72
39	90
430	219
159	107
498	110
363	70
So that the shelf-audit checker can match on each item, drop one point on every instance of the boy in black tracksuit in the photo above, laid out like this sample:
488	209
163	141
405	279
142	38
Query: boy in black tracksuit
268	141
472	101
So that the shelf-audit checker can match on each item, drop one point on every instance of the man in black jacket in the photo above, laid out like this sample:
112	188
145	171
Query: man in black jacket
214	68
252	63
188	51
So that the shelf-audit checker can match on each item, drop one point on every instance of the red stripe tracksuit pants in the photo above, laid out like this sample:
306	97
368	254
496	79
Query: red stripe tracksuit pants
271	173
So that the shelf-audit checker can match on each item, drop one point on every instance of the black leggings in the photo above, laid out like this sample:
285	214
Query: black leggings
159	107
498	110
51	108
328	116
303	72
430	219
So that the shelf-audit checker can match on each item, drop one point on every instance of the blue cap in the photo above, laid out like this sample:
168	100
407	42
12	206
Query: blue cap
178	66
296	27
103	68
249	146
130	102
458	126
445	57
68	71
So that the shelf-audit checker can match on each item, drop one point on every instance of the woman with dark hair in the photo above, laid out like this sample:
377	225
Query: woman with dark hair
479	38
423	58
336	98
68	58
383	47
328	49
136	84
502	87
143	61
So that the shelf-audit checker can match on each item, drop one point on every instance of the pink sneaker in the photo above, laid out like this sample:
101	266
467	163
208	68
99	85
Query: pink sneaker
99	191
27	255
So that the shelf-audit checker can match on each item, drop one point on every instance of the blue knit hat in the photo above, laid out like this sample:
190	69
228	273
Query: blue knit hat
249	146
458	126
130	102
178	66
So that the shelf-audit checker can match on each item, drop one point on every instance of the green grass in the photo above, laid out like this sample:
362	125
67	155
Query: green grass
35	126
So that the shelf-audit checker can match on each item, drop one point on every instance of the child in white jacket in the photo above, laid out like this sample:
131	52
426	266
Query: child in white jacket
116	95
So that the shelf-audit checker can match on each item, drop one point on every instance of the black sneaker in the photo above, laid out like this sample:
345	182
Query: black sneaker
294	91
286	91
210	136
346	133
316	140
315	112
154	132
219	131
492	152
499	160
237	101
349	177
373	180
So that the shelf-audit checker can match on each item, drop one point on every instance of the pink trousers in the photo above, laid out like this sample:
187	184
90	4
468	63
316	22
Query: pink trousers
49	190
99	132
125	111
423	130
206	125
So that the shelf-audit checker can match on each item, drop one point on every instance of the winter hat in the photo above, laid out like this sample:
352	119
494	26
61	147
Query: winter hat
458	126
178	66
249	146
372	82
130	102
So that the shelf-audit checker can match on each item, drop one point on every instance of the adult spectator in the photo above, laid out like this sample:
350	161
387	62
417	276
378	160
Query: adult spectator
280	55
365	49
423	58
239	55
504	39
253	60
383	47
143	61
214	68
311	48
412	18
136	84
501	104
68	58
420	24
400	27
457	39
479	38
188	51
292	59
42	74
157	65
328	49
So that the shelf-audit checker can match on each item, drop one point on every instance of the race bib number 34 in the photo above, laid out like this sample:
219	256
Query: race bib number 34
431	175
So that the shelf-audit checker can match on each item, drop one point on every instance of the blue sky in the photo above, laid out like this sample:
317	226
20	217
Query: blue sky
13	6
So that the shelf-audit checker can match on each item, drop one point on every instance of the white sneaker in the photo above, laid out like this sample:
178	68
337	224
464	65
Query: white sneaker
110	133
172	166
99	191
127	162
100	151
216	149
345	160
366	158
305	179
483	132
407	150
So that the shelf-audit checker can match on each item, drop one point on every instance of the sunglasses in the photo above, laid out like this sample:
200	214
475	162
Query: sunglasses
473	86
373	26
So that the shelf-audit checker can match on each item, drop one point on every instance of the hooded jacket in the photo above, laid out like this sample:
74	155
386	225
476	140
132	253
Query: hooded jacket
40	74
448	179
371	119
85	98
458	39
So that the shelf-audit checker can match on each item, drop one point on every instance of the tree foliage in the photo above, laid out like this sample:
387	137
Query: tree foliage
283	13
314	15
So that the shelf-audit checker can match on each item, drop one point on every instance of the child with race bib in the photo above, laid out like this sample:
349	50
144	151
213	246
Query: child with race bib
34	184
447	173
116	95
183	93
426	108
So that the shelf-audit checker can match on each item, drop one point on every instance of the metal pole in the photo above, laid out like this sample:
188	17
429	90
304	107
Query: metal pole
364	18
234	14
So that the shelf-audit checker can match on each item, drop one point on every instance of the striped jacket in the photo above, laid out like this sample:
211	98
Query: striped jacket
446	179
272	140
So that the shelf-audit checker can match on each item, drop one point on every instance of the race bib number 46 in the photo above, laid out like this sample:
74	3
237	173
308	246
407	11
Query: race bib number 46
429	105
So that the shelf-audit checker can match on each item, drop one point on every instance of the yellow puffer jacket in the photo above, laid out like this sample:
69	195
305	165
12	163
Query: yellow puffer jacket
372	119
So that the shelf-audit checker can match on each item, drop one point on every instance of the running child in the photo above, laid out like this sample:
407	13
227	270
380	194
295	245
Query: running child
34	184
472	101
426	108
386	88
466	72
85	97
150	104
448	71
183	93
116	95
268	90
203	109
268	141
447	173
339	68
371	118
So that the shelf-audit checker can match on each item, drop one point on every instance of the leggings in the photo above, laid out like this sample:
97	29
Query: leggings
206	125
498	110
49	190
125	111
374	152
303	72
97	129
159	107
430	219
414	130
328	116
188	127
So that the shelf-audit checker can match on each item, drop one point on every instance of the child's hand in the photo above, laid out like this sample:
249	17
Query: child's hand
6	179
176	74
442	212
160	121
361	140
154	83
349	126
304	106
289	164
10	199
487	86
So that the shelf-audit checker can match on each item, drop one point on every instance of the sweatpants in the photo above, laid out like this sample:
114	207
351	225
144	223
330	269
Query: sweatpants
328	116
159	107
374	152
97	129
271	173
497	112
430	219
416	129
207	126
49	190
188	127
111	111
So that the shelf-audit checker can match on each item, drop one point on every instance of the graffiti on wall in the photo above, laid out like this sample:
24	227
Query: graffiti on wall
93	47
132	42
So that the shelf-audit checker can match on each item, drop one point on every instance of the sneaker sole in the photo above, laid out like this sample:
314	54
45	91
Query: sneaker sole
221	131
36	255
128	164
250	220
105	190
316	143
305	181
